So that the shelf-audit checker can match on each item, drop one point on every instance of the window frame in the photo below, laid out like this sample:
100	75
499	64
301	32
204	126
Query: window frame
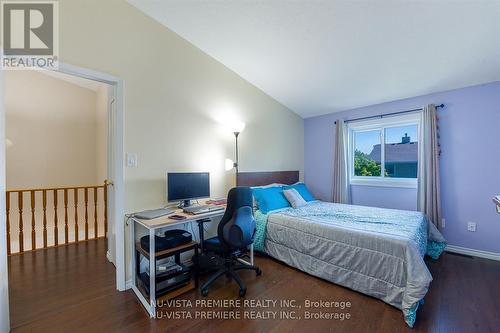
380	124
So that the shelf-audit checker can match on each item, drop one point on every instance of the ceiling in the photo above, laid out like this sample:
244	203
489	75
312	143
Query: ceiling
317	57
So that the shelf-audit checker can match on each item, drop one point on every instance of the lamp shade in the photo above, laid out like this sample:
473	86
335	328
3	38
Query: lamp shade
237	127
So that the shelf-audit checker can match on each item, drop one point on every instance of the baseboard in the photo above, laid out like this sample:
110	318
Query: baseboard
473	252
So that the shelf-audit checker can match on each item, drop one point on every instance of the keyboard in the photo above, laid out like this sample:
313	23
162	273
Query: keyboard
202	209
153	214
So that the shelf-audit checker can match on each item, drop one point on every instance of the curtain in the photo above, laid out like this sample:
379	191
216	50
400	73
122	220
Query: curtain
428	192
340	171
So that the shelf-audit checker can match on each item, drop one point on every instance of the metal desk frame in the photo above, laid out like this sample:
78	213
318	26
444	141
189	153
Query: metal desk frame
152	226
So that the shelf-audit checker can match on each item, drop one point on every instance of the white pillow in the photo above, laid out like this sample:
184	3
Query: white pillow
294	198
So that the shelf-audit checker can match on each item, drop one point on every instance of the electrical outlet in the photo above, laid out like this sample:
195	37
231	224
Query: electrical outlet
443	222
471	226
132	160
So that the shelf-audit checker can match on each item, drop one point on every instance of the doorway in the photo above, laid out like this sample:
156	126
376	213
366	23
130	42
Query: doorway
114	165
113	186
57	157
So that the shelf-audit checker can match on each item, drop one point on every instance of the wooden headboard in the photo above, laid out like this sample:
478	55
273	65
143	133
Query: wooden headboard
265	178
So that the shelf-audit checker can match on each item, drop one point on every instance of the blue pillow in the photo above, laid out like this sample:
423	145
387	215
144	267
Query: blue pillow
270	198
303	191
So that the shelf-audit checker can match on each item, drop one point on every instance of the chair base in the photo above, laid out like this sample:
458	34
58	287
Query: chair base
229	271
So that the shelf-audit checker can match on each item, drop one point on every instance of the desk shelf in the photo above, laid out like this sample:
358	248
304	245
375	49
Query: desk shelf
162	295
175	293
168	252
152	226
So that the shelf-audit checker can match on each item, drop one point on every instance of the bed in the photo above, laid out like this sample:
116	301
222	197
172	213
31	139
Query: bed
375	251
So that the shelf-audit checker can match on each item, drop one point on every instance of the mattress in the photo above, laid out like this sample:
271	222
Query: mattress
378	252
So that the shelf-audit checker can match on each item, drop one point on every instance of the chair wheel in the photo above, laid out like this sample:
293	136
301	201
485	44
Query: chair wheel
243	292
258	272
204	291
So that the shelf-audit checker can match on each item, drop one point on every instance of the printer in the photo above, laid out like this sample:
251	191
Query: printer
171	239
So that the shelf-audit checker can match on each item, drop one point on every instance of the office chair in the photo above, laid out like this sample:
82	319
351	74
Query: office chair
234	234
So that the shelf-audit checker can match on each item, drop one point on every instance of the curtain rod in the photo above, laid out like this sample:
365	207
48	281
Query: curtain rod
388	114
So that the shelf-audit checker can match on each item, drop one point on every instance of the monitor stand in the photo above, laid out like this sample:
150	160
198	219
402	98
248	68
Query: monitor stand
185	203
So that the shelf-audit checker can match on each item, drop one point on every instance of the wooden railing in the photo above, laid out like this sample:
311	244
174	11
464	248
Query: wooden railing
50	209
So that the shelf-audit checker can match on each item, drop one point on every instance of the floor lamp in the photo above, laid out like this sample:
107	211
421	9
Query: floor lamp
230	164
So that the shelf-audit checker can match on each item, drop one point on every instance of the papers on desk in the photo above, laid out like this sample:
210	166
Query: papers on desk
217	202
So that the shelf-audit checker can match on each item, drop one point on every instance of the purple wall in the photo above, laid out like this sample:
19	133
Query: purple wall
470	162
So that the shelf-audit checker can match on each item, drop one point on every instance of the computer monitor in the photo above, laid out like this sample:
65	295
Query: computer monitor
185	186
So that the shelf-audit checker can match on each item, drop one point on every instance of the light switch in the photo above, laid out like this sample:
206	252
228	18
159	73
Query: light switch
131	160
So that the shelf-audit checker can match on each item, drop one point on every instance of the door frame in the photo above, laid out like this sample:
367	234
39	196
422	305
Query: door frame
117	162
110	129
4	276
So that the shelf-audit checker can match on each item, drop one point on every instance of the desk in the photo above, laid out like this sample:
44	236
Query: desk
152	226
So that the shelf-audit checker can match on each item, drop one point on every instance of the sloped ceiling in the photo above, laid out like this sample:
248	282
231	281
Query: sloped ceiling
317	57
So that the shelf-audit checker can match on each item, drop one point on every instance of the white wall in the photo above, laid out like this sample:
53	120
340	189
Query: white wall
54	129
101	133
174	99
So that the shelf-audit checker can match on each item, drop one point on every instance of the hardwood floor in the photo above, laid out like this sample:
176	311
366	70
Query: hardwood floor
72	289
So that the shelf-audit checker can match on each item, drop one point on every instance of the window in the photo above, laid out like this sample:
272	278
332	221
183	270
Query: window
384	152
367	153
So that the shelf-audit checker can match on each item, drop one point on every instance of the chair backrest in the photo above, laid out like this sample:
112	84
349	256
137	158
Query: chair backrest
237	227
